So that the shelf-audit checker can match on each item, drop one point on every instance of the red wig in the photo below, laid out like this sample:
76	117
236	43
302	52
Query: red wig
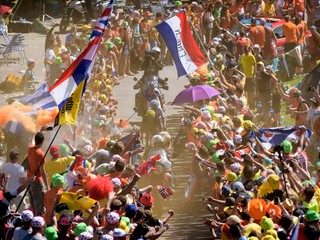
99	188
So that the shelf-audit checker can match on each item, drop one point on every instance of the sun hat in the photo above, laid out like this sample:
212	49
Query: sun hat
118	232
117	40
147	200
257	208
106	237
116	182
238	187
233	220
38	222
51	233
287	146
288	205
311	216
113	218
266	223
85	236
232	177
26	215
57	180
252	227
80	228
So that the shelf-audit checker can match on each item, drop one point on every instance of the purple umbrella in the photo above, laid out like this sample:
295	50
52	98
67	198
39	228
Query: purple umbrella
194	94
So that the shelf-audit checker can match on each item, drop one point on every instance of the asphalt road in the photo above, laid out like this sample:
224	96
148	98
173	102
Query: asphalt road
187	221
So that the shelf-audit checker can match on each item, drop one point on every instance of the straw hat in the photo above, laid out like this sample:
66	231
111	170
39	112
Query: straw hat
288	205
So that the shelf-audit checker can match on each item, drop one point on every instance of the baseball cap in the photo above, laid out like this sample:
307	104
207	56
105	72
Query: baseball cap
262	21
85	236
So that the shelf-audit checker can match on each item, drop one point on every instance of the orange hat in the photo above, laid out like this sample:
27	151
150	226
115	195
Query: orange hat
148	13
147	200
257	208
273	209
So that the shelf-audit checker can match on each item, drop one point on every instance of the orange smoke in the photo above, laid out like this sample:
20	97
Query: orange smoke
17	112
45	116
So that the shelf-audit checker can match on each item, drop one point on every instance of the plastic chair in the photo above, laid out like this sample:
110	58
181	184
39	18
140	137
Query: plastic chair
13	44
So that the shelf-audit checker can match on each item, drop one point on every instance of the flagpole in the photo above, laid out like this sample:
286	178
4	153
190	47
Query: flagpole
42	160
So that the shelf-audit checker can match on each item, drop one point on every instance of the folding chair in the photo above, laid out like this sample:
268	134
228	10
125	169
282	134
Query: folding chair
13	45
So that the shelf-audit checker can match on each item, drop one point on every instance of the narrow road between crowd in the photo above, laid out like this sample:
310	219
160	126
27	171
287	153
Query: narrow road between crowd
187	223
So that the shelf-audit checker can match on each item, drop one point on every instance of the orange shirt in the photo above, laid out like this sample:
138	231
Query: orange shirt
35	156
257	35
290	31
49	198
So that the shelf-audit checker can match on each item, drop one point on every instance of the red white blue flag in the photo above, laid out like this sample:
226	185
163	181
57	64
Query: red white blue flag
184	50
72	82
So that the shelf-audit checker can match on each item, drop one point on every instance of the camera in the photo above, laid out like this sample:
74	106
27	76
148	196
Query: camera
278	148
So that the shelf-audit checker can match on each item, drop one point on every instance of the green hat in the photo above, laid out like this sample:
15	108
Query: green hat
287	146
109	45
80	228
64	149
58	60
87	37
177	3
117	40
57	180
209	108
266	223
51	233
209	76
215	158
311	216
125	24
211	143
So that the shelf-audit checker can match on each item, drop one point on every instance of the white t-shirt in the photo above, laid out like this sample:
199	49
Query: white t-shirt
51	56
20	233
15	171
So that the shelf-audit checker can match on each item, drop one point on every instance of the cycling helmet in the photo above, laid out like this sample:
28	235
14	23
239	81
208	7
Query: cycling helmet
156	139
87	150
150	113
155	103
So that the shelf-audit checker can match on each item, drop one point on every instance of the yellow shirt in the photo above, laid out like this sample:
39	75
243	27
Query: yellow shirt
269	10
57	166
248	63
